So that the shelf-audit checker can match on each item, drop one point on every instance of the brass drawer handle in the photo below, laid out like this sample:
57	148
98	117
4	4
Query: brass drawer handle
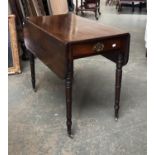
98	47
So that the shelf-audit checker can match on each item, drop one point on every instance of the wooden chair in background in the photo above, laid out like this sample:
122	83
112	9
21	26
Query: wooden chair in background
111	2
89	5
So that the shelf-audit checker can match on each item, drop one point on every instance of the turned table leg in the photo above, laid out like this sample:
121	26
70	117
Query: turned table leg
68	84
118	85
32	67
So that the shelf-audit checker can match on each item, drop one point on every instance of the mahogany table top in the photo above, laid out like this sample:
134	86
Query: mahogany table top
72	28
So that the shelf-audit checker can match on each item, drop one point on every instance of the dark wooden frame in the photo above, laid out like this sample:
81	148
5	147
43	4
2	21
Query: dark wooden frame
16	68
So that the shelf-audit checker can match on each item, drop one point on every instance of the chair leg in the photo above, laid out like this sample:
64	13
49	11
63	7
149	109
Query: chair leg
32	67
118	85
119	7
117	4
68	85
82	13
140	6
99	8
99	11
133	7
96	14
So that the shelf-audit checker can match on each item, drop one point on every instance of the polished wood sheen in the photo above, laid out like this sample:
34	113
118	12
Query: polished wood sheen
58	40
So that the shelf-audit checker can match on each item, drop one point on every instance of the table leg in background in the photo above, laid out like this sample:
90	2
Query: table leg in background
32	67
118	85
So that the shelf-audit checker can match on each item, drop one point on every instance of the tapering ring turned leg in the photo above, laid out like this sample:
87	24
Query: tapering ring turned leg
68	84
118	85
32	67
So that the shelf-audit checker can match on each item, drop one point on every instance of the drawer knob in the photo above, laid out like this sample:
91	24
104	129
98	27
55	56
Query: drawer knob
98	47
114	45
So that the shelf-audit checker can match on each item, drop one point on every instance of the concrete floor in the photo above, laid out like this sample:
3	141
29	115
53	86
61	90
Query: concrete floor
37	120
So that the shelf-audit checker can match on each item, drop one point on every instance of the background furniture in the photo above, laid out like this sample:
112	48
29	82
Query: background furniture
89	5
25	8
111	2
22	9
13	48
131	3
70	5
68	37
58	7
46	7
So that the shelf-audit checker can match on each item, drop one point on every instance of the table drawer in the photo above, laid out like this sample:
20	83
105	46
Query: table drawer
92	48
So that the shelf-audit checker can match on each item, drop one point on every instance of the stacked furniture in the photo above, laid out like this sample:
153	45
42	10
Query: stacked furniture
22	9
26	8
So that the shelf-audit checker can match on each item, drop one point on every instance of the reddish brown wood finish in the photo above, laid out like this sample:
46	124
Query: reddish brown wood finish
58	40
46	48
69	28
87	48
118	84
